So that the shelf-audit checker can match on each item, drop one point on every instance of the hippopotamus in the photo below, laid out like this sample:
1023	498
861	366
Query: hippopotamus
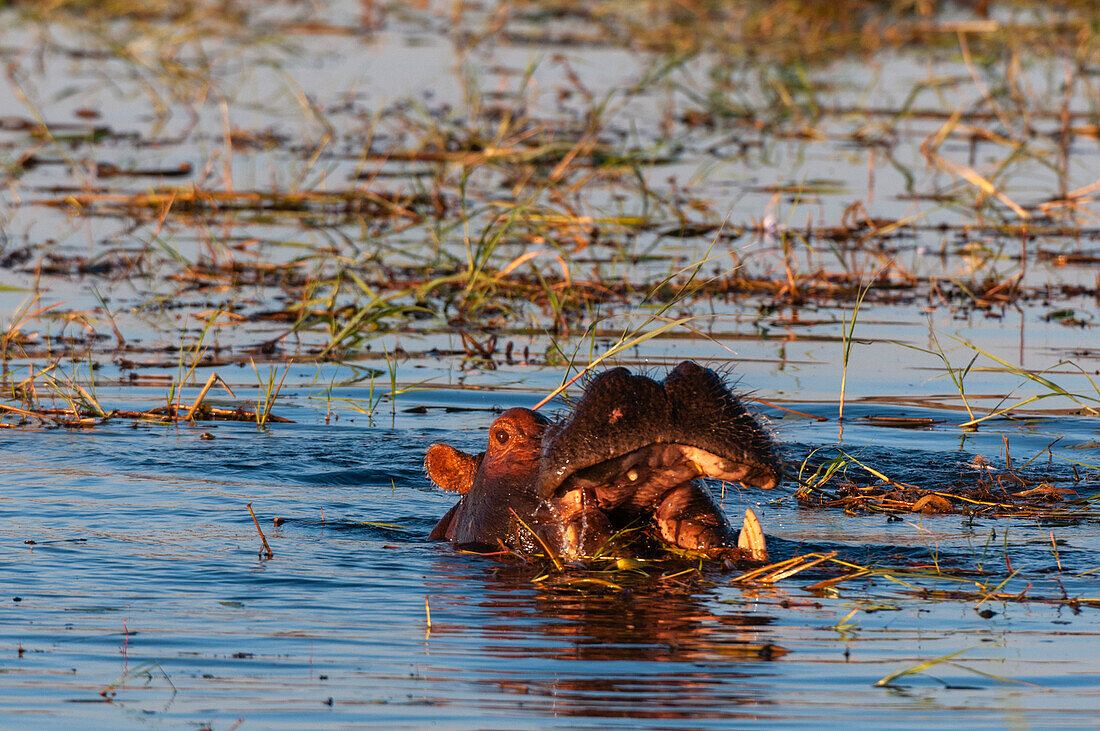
628	456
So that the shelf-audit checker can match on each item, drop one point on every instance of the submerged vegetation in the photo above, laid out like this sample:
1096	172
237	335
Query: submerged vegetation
883	217
532	209
224	195
756	172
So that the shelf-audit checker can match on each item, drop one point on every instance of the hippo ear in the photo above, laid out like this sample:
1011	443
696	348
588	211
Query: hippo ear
451	469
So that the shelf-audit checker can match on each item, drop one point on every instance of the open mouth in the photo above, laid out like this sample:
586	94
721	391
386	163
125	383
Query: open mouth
662	482
634	448
642	475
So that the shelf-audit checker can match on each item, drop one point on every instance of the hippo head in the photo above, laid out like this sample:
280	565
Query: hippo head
628	455
497	485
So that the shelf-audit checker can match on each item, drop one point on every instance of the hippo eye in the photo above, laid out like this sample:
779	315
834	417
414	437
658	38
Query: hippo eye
501	436
632	475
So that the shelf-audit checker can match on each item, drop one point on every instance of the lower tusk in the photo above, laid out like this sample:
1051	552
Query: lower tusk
751	540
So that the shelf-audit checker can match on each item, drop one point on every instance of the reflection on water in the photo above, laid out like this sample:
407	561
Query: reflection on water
132	592
653	650
136	569
651	620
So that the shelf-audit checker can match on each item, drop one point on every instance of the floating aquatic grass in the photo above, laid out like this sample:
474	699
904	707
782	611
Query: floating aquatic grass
143	671
825	483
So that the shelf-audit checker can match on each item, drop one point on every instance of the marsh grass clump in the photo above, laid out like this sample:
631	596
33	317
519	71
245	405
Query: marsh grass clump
543	199
510	213
60	396
980	490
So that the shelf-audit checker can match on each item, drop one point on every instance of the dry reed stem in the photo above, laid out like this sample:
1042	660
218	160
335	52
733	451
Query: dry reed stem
214	377
25	412
263	538
780	570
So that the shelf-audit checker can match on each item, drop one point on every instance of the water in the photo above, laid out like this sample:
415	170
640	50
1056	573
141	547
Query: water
339	106
135	592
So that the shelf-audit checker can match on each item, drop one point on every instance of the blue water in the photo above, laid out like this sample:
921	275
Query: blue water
135	593
133	590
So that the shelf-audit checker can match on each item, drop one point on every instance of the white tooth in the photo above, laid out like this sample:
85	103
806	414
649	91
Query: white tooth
751	540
